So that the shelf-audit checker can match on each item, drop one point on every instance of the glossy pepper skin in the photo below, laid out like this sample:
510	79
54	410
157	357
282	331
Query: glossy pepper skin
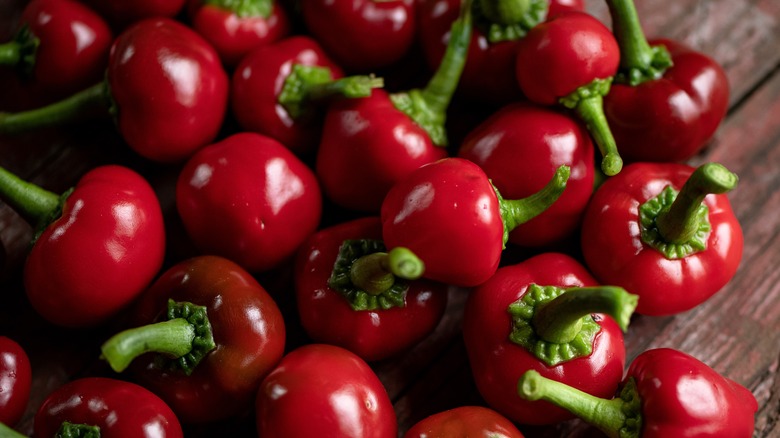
110	407
364	35
665	393
519	147
98	246
470	421
248	334
324	391
497	361
249	199
235	29
373	331
15	381
616	250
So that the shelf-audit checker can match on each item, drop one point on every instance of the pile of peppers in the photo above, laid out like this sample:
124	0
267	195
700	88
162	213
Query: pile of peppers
331	195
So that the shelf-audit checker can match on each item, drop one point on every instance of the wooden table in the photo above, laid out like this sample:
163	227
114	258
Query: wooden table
737	332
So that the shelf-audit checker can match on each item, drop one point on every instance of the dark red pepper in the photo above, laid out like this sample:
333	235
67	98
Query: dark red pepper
520	147
275	90
451	216
214	333
123	13
250	199
165	86
467	421
667	99
235	28
100	406
15	381
570	60
348	295
666	232
547	314
96	247
666	393
327	391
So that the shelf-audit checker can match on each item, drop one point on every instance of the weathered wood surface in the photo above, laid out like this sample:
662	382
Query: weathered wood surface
737	332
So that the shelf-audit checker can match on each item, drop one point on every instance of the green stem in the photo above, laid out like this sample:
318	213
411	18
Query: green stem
681	221
244	8
73	430
403	263
375	273
35	204
350	87
76	107
504	11
10	53
7	432
515	212
560	320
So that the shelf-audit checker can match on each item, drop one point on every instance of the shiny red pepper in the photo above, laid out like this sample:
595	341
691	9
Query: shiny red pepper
348	295
325	391
60	48
214	333
165	86
362	35
520	147
547	314
666	232
249	199
570	60
96	247
15	381
235	28
467	421
666	393
100	406
451	217
667	100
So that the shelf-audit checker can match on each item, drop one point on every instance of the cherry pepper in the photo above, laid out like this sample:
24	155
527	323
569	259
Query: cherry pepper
96	247
348	293
667	99
214	333
570	60
61	47
666	393
250	199
275	90
101	406
547	314
451	217
467	421
519	147
235	28
324	391
666	232
368	144
15	382
164	85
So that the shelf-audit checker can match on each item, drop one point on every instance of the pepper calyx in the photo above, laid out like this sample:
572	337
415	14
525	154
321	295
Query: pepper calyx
202	343
414	105
244	8
77	430
651	235
501	20
632	409
660	61
21	51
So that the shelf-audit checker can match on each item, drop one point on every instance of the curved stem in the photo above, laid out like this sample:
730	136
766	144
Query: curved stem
591	111
680	221
173	337
560	320
35	204
371	273
76	107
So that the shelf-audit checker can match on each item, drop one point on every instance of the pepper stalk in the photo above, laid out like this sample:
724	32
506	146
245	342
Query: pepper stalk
38	206
507	20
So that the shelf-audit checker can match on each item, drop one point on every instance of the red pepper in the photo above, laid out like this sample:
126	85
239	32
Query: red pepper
235	28
100	406
467	421
547	314
570	60
61	47
96	247
275	87
362	35
451	216
666	393
519	147
215	333
489	74
248	198
164	84
368	144
15	381
666	232
325	391
348	295
124	13
667	100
